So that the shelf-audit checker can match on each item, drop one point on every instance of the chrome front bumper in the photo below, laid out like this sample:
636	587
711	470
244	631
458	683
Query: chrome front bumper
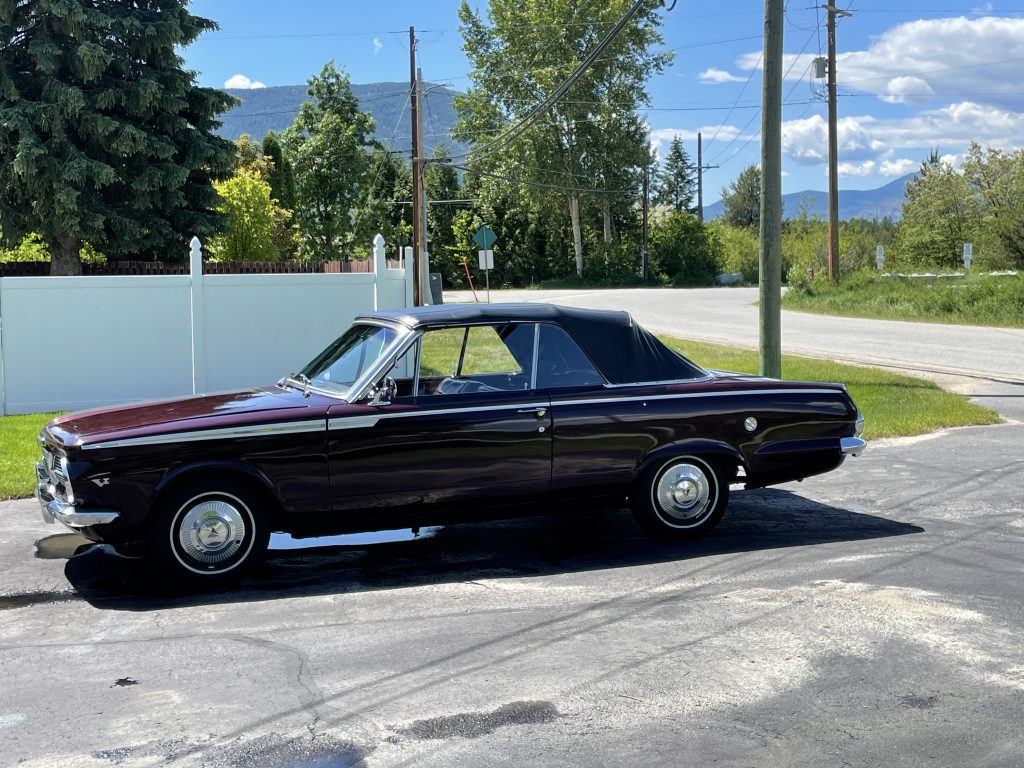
852	446
55	509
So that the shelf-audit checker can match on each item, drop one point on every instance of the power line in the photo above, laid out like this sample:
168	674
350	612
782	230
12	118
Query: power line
542	185
785	99
519	128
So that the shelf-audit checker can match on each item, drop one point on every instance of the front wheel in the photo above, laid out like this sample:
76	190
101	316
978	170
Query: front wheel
211	533
682	498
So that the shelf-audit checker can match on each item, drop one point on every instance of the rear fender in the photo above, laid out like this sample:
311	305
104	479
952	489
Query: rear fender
710	449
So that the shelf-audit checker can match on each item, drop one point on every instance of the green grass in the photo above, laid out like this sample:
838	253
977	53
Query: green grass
19	452
981	300
892	405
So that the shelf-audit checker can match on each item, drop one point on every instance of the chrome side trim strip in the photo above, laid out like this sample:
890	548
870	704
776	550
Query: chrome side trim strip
852	446
356	422
223	433
352	422
682	395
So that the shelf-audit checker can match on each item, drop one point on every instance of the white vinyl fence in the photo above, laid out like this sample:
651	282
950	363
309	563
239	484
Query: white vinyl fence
68	343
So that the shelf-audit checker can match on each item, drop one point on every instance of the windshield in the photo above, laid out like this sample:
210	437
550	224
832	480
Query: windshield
347	358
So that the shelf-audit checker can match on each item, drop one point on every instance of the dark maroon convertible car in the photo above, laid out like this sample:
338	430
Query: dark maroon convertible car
438	415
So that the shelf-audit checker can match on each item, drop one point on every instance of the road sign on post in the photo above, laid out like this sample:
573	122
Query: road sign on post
487	264
968	254
485	238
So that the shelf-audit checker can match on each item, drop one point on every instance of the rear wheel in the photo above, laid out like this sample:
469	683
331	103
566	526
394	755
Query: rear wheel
682	498
211	532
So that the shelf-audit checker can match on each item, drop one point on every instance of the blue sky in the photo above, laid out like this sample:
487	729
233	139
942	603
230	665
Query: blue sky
913	77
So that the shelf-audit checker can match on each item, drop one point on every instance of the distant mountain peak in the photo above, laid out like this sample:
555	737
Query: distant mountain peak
886	200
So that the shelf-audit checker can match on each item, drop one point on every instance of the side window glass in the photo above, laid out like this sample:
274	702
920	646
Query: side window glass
486	353
441	351
479	358
561	362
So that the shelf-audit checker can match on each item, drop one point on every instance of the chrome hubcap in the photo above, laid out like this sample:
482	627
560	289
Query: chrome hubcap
212	531
683	494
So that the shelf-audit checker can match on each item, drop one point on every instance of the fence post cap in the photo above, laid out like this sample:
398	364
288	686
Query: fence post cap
378	240
195	243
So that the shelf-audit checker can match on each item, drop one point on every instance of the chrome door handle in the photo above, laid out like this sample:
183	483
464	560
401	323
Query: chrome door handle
538	412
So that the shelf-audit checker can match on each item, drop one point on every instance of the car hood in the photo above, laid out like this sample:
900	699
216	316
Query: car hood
237	408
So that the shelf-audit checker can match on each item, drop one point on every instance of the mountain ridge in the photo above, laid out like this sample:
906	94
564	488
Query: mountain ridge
274	108
877	203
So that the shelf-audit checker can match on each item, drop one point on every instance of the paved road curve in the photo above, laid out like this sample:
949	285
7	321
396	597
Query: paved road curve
729	316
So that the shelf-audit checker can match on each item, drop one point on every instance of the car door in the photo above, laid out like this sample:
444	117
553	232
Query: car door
467	429
599	433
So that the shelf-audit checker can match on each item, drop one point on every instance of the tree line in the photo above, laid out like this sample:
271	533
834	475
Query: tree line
109	151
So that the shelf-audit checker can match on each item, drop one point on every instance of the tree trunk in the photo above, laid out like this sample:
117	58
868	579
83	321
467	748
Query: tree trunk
577	234
607	219
66	260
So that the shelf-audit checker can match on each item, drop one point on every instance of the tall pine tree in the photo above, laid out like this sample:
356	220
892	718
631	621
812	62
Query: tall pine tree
104	136
675	184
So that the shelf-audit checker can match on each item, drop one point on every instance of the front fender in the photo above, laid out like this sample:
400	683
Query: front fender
213	466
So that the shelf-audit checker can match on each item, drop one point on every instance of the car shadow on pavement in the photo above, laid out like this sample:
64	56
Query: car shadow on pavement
756	520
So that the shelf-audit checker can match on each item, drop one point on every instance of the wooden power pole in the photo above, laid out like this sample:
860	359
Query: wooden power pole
700	178
646	208
833	146
417	175
770	263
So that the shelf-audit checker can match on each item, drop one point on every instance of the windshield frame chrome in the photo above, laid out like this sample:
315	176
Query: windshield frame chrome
360	387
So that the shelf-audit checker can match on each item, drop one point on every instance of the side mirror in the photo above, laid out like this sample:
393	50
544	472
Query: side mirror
384	392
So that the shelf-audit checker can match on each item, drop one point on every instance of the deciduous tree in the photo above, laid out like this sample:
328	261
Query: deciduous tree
939	215
520	54
254	221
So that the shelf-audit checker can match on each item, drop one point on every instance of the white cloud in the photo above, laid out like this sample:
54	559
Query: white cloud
806	140
907	90
714	76
899	167
241	81
866	168
927	59
377	45
986	7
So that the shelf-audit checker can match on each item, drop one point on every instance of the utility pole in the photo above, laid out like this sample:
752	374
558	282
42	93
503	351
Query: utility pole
417	178
643	243
833	146
422	275
700	178
770	308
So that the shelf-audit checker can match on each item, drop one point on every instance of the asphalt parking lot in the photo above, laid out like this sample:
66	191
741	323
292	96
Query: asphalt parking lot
872	616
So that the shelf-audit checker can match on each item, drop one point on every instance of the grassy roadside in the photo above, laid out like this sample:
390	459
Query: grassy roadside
892	405
991	301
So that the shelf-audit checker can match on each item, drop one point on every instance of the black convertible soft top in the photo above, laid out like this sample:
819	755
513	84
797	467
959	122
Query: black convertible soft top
623	351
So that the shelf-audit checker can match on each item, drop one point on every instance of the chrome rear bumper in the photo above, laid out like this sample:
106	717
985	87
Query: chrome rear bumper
852	446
